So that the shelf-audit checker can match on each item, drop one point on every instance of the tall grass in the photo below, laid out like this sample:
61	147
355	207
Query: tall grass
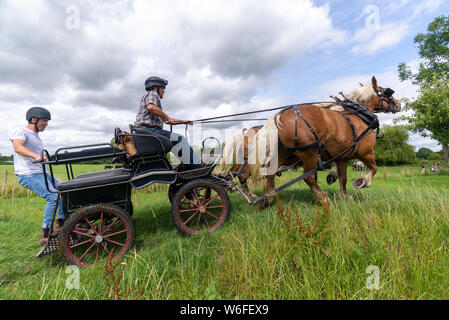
400	225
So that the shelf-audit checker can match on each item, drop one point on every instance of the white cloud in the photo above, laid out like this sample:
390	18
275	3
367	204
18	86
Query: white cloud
216	56
387	78
425	7
387	24
370	40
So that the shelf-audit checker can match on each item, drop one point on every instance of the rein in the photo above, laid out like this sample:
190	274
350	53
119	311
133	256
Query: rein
252	112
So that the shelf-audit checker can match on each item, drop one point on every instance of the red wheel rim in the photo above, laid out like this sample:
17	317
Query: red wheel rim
95	235
201	208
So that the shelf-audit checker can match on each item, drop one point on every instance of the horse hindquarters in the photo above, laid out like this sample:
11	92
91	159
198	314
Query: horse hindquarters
299	132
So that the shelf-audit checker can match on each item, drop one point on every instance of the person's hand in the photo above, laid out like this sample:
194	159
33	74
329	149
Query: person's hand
172	121
39	158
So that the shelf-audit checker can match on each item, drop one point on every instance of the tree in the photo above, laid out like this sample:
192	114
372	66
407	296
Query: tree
393	149
430	115
435	156
423	153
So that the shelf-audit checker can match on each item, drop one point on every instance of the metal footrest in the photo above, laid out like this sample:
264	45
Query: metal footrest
53	245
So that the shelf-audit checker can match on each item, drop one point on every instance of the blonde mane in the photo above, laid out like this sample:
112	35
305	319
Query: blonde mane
361	95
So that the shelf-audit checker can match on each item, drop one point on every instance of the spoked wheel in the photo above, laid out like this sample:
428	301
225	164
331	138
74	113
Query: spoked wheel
200	205
172	191
95	233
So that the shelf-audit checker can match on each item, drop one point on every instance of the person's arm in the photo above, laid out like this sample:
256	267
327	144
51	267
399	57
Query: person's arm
158	112
19	147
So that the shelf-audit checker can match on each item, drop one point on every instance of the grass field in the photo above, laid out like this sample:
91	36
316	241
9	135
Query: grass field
391	242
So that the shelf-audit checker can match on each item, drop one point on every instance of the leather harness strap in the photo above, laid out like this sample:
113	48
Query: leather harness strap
369	118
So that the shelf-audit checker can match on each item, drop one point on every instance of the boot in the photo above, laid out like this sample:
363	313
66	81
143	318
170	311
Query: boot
58	226
44	236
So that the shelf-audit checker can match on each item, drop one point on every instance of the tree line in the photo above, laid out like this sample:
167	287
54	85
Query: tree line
393	148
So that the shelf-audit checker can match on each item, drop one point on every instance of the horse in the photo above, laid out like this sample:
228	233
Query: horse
311	132
235	153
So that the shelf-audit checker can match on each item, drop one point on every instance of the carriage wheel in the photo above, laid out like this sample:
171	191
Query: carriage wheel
96	232
172	191
200	205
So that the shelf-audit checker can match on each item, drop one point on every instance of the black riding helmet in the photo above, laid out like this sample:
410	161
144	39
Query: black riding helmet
38	112
152	82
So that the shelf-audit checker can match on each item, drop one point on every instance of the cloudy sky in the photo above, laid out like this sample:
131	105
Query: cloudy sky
87	61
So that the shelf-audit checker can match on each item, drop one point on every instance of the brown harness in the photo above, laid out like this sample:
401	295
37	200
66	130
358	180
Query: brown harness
369	118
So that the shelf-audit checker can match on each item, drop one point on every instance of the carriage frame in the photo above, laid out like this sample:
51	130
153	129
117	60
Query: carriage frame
99	204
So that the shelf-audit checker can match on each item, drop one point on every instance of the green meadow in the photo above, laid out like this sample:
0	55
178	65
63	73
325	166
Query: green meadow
391	242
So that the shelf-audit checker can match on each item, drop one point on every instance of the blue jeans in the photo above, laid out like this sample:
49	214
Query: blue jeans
36	183
179	144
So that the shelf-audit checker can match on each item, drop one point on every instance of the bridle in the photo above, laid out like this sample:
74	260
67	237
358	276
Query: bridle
385	96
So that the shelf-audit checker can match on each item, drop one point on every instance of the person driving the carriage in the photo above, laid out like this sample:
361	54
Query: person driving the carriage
28	148
151	117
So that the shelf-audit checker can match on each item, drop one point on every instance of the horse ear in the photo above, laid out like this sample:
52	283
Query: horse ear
361	84
374	81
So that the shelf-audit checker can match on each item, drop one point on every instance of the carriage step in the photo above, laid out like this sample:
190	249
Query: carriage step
52	245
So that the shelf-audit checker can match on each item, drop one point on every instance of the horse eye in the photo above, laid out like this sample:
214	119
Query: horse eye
388	92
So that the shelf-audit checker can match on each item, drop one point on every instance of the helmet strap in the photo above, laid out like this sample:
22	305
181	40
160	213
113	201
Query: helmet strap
157	91
35	124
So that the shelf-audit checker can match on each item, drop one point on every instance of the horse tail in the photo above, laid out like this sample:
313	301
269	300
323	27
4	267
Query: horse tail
232	151
262	155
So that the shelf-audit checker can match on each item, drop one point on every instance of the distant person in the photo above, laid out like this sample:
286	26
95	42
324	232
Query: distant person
437	165
432	169
423	167
28	148
151	117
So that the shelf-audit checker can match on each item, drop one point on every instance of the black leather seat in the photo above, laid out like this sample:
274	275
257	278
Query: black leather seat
96	179
150	144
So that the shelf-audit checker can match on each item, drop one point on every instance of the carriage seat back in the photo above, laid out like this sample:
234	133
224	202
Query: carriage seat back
150	144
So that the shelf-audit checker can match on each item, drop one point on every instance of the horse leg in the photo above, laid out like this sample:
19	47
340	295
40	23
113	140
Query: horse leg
342	179
268	187
269	184
365	180
310	162
243	178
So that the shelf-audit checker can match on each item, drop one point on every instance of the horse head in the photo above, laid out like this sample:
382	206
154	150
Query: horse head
375	98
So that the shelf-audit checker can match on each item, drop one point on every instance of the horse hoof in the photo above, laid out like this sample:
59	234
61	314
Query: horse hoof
347	197
252	196
262	204
331	177
359	183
